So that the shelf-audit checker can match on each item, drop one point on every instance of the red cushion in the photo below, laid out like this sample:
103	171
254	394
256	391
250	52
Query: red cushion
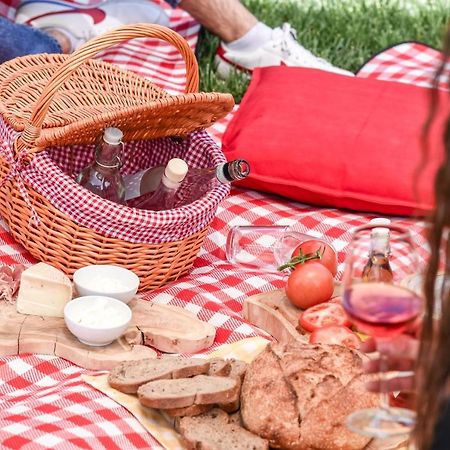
332	140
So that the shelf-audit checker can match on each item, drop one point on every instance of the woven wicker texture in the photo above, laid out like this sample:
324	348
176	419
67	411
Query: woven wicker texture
58	100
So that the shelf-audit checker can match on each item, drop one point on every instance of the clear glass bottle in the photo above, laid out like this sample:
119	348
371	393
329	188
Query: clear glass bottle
378	267
102	176
199	181
164	196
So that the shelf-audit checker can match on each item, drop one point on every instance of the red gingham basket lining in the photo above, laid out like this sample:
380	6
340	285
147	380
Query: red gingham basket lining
51	174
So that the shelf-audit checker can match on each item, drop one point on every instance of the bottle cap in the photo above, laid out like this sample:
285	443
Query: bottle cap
113	135
380	231
176	170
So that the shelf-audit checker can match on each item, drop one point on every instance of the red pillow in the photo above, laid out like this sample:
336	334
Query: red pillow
332	140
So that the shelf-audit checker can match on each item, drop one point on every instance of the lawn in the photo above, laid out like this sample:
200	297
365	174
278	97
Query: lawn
346	32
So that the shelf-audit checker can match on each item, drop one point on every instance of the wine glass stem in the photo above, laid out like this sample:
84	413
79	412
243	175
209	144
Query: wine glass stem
383	377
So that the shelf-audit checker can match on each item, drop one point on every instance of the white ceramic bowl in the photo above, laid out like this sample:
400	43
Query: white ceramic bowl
108	280
97	320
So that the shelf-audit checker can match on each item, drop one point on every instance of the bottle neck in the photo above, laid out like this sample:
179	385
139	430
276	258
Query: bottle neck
234	170
107	156
379	244
167	184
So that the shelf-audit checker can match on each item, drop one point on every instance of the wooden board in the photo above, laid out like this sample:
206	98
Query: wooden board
275	314
167	328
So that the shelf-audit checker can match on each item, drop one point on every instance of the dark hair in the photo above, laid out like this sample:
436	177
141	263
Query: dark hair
433	369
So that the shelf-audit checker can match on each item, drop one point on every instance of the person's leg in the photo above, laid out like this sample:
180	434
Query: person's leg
227	19
78	23
248	43
19	40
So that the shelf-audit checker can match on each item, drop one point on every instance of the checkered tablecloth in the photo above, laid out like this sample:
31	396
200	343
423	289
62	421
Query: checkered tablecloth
43	401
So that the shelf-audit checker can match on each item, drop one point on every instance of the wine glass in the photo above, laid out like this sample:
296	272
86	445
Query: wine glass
379	305
263	248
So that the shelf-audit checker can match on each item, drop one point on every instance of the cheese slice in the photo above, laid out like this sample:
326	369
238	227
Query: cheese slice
44	291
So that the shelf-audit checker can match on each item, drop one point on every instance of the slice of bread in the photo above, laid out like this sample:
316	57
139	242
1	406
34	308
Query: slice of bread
238	369
129	375
199	390
215	431
219	367
193	410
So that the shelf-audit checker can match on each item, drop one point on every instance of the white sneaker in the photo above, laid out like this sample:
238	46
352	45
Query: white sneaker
83	22
281	50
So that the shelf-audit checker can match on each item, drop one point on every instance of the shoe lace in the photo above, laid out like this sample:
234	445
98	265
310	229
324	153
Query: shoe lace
285	38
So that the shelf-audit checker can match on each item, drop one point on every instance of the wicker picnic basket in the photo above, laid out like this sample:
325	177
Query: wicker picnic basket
53	109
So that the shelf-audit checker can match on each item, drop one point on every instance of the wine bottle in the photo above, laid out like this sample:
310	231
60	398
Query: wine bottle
378	268
165	194
102	176
199	181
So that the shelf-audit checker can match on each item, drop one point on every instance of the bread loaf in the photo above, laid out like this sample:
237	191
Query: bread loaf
299	395
215	431
128	376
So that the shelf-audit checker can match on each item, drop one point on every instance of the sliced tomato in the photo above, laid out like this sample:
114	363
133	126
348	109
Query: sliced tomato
323	315
335	334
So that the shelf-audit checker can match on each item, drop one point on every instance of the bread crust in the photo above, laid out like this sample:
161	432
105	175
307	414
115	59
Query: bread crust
302	394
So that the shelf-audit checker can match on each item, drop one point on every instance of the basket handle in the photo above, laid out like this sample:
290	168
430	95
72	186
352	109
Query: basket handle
91	48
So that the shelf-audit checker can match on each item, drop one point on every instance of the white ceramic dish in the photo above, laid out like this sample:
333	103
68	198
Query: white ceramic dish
97	320
108	280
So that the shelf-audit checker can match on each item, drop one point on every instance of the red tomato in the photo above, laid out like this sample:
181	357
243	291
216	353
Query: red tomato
329	257
309	284
335	334
323	315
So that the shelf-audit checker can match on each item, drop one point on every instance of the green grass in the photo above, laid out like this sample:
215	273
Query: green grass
345	32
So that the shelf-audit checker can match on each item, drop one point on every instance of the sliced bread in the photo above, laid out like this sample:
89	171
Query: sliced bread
193	410
219	367
183	392
215	431
238	369
129	375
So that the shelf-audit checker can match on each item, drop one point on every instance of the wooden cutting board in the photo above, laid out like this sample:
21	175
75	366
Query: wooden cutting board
167	328
275	314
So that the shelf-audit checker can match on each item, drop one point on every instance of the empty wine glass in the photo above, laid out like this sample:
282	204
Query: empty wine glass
262	248
378	304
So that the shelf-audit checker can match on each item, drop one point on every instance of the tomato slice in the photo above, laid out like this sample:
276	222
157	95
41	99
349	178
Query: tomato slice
323	315
337	335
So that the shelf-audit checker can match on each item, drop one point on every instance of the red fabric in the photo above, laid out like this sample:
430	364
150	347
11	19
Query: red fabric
333	140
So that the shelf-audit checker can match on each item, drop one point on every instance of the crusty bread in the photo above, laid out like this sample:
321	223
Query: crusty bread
312	388
129	375
215	431
219	367
183	392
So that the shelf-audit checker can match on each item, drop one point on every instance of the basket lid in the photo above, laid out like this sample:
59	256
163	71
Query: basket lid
67	99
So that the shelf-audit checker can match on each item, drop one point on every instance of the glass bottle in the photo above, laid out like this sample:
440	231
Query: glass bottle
378	267
199	181
164	196
102	176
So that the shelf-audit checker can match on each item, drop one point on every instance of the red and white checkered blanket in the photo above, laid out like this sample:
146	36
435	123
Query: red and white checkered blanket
44	401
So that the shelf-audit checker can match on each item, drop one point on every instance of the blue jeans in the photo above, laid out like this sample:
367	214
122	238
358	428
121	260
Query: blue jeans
19	40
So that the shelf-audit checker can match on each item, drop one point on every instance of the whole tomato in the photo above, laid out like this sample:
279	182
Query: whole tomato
327	254
309	284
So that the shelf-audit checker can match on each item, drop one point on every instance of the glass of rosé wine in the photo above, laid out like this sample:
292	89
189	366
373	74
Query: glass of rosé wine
378	261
